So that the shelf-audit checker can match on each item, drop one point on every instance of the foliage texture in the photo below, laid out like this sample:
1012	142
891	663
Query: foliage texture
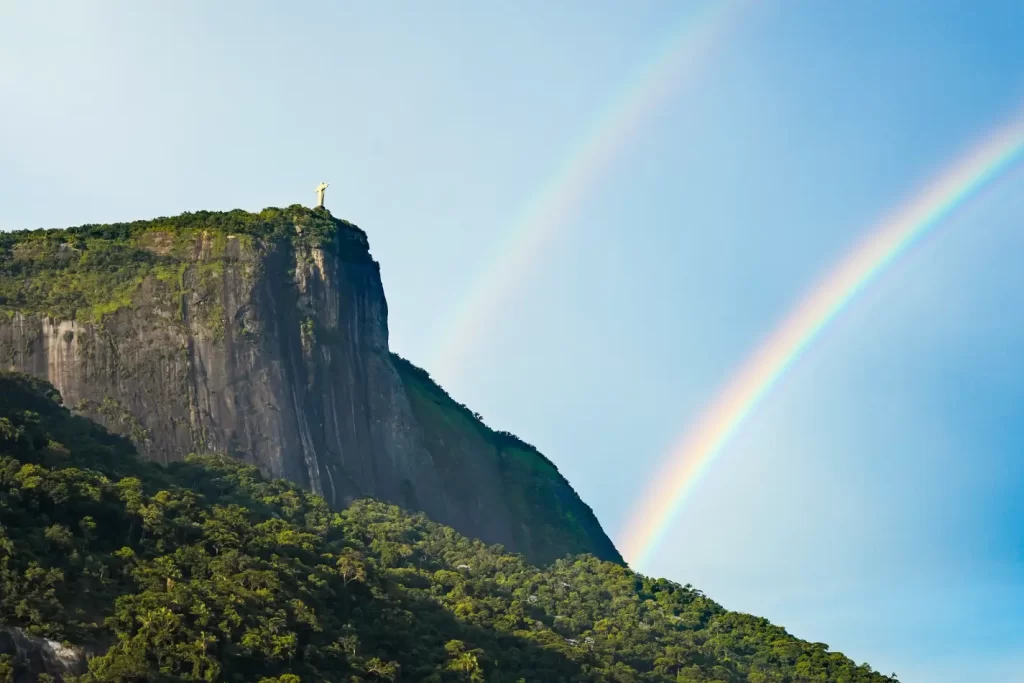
205	571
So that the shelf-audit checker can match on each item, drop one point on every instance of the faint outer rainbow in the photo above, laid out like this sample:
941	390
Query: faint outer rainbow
679	58
697	448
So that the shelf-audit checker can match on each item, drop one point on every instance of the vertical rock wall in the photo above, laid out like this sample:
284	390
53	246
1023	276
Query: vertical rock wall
276	352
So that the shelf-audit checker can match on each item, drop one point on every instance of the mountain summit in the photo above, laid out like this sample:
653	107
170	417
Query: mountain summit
265	336
223	345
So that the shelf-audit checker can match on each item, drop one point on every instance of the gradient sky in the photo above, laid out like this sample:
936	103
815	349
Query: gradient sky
874	502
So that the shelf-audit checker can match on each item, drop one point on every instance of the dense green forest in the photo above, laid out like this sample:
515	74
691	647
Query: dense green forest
205	571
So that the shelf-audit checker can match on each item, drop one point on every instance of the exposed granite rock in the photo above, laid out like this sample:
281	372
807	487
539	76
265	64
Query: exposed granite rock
272	345
30	656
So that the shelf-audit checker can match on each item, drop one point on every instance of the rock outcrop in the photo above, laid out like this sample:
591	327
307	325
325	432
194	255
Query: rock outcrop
265	336
25	657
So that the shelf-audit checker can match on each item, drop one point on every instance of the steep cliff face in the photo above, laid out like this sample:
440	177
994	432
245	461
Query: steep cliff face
265	336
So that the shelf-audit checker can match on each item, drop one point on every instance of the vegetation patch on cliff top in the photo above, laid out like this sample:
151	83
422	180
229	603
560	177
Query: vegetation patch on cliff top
90	271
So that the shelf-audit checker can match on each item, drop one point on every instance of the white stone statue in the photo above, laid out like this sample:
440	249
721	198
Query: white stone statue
321	188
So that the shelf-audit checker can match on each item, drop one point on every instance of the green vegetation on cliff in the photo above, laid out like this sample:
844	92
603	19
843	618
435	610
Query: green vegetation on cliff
86	272
205	571
551	517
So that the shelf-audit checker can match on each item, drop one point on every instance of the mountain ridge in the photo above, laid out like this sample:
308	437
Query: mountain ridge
264	335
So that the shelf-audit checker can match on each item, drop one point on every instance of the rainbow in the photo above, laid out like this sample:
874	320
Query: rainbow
688	46
694	452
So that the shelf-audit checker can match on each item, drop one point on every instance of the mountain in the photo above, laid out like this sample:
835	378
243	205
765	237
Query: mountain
265	336
116	569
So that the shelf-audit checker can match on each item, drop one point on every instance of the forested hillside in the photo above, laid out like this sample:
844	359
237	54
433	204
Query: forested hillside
205	571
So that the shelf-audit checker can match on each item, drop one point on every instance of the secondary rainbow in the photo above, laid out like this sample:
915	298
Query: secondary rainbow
679	58
698	448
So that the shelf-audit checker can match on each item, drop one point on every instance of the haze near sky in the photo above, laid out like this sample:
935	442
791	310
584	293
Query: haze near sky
873	502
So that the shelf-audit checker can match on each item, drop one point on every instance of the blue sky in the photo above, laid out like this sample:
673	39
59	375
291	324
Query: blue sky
873	502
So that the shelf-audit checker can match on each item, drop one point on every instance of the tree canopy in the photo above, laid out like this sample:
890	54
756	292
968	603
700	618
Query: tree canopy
206	571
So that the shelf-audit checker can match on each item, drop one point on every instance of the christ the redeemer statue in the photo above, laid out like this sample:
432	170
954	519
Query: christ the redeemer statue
321	188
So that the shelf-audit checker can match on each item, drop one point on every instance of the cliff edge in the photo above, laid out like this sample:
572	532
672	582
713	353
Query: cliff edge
265	336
